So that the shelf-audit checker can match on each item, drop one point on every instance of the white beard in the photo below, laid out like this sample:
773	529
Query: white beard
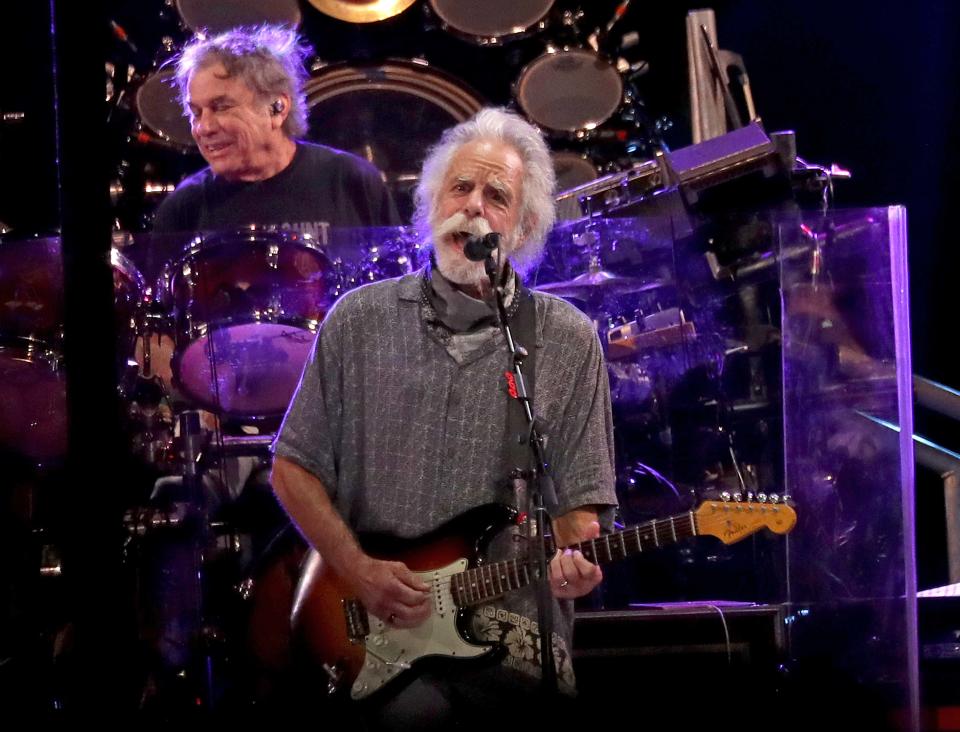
451	261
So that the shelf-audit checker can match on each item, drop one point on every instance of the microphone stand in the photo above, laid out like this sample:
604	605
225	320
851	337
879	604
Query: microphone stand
543	492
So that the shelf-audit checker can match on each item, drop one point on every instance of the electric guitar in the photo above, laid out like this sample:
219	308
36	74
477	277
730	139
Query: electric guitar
360	651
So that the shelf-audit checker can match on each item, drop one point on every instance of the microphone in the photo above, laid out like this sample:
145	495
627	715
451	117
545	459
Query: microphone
479	248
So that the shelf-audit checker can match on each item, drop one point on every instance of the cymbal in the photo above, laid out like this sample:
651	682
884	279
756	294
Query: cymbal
361	11
597	284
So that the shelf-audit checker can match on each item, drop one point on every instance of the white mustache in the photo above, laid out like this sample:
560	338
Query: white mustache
478	226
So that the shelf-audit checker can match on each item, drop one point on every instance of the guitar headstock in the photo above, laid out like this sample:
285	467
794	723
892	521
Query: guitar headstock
733	520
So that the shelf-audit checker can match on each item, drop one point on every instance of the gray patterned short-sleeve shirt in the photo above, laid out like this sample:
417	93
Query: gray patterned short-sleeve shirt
406	434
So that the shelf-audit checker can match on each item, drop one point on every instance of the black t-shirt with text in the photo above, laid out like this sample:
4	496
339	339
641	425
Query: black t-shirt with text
321	187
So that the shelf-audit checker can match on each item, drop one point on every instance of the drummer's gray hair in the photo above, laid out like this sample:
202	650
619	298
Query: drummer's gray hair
267	58
537	211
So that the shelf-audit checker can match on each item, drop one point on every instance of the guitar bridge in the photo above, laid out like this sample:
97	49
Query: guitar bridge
358	623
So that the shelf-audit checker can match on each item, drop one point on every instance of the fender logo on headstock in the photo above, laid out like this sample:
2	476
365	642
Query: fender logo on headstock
734	529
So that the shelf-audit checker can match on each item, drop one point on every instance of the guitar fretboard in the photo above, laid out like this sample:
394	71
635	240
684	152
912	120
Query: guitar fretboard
489	581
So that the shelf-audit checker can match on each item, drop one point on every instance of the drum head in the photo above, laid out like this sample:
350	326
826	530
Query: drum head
246	371
361	109
217	17
160	110
572	169
247	306
491	20
569	91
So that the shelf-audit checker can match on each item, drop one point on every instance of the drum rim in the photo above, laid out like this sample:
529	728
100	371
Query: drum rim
119	261
46	352
460	100
209	404
209	240
551	51
538	26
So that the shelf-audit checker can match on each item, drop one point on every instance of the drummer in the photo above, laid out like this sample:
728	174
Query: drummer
243	91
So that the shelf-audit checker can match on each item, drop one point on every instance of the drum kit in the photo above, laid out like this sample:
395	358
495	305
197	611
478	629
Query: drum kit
213	334
576	86
221	325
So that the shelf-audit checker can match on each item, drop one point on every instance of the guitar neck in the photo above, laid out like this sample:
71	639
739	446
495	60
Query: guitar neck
490	581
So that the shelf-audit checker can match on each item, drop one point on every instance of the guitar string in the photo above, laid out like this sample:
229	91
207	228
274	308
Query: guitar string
636	536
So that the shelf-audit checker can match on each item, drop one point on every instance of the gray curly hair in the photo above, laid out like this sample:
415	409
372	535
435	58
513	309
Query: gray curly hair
537	211
267	58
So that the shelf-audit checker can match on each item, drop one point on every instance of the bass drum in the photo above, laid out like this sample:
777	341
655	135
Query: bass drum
388	113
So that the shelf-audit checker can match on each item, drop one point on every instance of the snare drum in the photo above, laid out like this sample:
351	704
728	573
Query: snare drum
492	21
571	90
246	307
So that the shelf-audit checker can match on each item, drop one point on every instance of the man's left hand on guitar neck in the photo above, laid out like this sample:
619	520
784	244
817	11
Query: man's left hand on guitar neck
571	574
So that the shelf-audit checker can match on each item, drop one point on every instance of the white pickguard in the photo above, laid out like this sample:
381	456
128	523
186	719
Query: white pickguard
390	651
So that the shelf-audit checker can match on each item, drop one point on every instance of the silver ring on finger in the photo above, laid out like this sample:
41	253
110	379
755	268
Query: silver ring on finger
564	583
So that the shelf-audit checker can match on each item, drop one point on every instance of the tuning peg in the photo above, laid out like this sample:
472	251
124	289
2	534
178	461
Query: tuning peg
774	498
762	497
726	497
738	497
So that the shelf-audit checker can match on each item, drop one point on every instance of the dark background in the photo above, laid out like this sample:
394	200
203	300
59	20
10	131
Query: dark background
868	85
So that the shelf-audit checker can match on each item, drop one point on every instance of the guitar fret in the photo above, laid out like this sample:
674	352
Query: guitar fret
474	589
673	528
606	541
636	532
526	573
455	590
516	573
485	583
592	551
656	539
693	523
623	544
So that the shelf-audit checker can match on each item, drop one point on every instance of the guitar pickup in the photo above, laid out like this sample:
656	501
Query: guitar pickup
358	622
